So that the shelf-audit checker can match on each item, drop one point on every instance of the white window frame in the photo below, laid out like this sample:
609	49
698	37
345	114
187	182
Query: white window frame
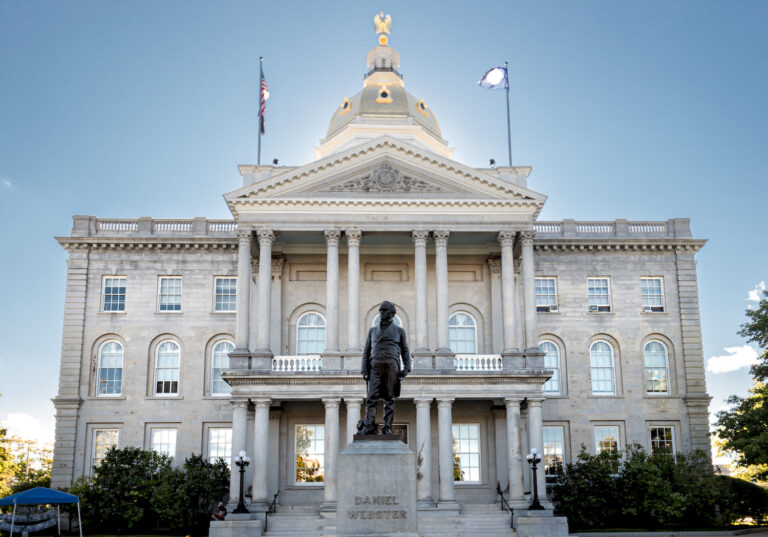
156	368
646	369
104	280
653	308
547	453
215	302
547	308
557	376
661	426
593	367
596	308
160	294
474	331
99	368
470	453
152	444
209	443
295	454
214	370
94	434
604	427
298	331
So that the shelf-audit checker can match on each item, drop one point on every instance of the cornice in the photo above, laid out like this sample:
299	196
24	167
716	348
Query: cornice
692	245
386	203
247	379
147	243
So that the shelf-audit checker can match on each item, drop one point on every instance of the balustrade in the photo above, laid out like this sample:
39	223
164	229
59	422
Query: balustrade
293	364
478	362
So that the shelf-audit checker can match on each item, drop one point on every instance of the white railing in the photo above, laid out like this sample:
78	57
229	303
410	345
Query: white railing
292	364
118	225
173	225
477	362
222	225
547	228
647	228
594	228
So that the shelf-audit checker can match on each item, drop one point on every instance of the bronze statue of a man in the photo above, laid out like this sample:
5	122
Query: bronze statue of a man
385	345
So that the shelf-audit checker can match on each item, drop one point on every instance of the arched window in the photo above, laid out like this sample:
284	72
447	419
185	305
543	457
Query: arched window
310	334
601	363
551	361
462	333
167	359
656	367
219	363
398	320
110	379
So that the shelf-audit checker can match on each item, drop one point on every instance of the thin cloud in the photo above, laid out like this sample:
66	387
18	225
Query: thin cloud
737	358
26	427
7	184
756	294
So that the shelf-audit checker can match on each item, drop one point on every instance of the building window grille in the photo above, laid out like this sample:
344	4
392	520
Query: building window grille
551	361
114	293
103	439
226	294
170	293
554	451
164	441
167	360
220	444
607	439
219	363
663	440
310	334
466	452
653	294
602	368
599	294
546	295
310	453
110	378
462	333
656	367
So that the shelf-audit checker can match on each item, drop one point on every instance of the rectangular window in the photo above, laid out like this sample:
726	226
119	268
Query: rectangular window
599	294
607	438
220	444
113	293
169	295
663	439
466	452
163	441
546	294
310	453
103	439
653	294
554	451
226	294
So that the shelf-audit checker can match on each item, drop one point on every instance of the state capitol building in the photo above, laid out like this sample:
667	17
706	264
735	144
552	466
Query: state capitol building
215	336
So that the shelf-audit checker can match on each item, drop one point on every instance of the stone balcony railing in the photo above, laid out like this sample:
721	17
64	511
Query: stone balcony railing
314	363
676	228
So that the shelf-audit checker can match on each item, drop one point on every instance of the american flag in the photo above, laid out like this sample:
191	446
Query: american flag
264	95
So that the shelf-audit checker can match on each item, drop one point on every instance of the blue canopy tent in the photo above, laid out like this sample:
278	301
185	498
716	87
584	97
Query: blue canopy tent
41	496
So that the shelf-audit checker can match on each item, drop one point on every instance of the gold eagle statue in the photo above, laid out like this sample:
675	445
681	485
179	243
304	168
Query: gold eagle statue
383	24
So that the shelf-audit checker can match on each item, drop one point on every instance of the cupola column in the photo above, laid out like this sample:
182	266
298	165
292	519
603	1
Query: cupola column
441	274
243	298
420	269
353	289
332	237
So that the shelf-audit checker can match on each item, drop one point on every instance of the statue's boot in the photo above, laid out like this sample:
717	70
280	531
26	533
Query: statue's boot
389	414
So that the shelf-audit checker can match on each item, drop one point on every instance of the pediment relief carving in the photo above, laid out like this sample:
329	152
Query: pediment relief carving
384	179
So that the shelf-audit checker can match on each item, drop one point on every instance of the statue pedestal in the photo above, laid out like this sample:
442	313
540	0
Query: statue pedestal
377	489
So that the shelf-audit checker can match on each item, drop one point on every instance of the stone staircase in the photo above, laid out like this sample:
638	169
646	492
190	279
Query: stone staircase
474	521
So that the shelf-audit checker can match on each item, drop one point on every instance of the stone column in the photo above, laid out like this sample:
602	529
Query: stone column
515	456
445	450
332	291
420	277
519	311
497	325
239	428
243	299
260	455
353	416
266	238
331	451
276	339
441	274
424	451
507	241
536	440
353	290
529	291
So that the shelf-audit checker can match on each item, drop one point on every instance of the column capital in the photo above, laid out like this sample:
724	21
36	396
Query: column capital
331	401
239	404
354	401
422	402
244	235
443	402
534	402
441	237
277	266
266	237
513	401
506	238
420	237
332	237
494	263
261	403
527	236
353	236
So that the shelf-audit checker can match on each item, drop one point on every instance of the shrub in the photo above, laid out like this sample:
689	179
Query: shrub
748	500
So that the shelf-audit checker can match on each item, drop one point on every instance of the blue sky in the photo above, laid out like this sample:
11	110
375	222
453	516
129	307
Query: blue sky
640	110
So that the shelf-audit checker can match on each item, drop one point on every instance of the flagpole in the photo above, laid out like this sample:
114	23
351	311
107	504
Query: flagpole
261	81
509	129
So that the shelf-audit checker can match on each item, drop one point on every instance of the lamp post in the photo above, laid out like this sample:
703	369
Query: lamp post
533	459
242	460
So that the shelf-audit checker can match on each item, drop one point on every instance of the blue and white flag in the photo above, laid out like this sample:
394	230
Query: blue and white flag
495	78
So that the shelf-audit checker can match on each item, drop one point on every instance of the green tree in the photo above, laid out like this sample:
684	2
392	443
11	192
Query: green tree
744	428
8	464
